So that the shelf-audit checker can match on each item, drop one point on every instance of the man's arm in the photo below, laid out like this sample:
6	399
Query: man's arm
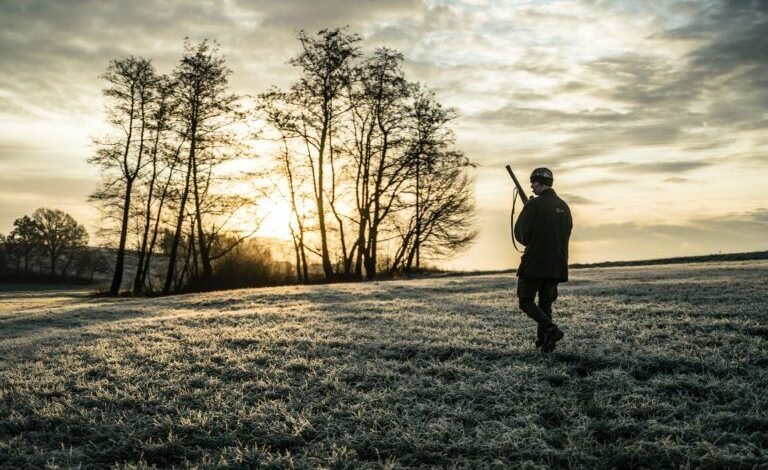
523	222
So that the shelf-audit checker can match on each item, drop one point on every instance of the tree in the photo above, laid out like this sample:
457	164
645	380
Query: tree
444	224
131	90
311	107
298	190
59	233
205	109
370	145
24	240
87	261
441	200
379	121
3	254
163	160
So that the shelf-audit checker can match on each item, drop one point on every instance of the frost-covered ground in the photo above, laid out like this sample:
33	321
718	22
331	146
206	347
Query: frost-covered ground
661	366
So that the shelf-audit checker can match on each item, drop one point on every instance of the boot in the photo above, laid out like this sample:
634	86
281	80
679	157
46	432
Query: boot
552	335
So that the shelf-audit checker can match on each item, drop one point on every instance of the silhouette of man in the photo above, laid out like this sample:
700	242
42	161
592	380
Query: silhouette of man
544	227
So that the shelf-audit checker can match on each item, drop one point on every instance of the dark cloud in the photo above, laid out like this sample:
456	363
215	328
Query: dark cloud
739	31
52	53
724	231
639	79
600	182
313	15
729	70
521	117
697	104
671	166
668	167
575	200
574	86
608	139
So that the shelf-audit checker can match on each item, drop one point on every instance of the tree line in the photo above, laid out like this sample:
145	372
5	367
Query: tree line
48	245
365	159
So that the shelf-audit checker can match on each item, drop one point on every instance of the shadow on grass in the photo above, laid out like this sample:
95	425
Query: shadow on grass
56	313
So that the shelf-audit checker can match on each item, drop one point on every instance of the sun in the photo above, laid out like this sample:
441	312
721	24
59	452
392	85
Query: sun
275	220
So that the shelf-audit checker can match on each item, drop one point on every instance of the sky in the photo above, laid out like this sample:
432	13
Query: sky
653	116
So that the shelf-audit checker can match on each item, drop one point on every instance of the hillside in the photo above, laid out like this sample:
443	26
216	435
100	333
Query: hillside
660	367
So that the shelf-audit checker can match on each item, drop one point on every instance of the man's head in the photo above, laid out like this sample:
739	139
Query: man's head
541	179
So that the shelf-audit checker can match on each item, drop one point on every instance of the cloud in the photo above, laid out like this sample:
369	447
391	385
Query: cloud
692	84
52	53
734	232
676	179
526	117
48	187
673	166
575	200
731	228
730	66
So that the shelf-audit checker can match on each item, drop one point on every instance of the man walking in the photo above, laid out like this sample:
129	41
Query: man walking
544	227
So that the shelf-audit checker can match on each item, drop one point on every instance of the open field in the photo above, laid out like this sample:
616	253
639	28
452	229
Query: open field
661	366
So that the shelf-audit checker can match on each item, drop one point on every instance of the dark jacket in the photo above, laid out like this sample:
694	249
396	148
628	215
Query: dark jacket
544	227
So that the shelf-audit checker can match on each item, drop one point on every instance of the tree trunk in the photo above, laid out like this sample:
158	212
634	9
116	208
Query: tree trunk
177	234
205	258
327	267
298	260
138	282
117	279
145	272
417	241
66	267
53	265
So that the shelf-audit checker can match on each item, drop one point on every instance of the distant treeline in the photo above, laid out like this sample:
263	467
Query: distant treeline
754	255
362	158
49	246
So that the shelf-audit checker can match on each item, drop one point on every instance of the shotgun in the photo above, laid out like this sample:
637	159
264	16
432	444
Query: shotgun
520	191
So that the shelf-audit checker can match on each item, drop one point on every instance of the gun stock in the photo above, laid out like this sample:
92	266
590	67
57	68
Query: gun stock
520	191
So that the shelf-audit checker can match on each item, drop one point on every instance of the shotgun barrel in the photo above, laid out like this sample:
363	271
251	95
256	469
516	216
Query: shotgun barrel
520	191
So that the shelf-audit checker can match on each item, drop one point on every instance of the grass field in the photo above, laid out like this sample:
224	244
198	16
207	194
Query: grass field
661	366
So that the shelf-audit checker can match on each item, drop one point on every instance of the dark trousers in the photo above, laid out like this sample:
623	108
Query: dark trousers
542	313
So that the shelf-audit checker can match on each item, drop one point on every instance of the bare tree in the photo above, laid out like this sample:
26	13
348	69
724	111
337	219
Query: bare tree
446	220
441	200
205	109
379	122
162	161
310	108
370	141
131	89
300	229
